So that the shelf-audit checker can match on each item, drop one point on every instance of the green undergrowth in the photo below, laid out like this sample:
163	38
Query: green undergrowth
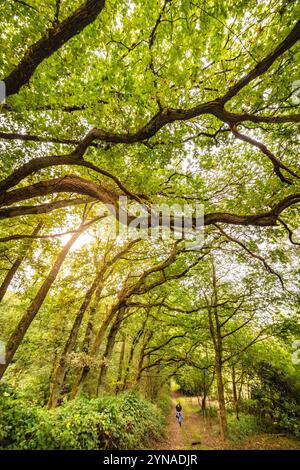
246	426
126	421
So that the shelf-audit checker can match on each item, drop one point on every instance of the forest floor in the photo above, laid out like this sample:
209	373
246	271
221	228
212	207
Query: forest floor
198	433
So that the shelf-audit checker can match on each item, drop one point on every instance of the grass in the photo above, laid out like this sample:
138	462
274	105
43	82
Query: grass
193	434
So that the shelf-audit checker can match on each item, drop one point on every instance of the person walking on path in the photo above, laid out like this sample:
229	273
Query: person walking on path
179	413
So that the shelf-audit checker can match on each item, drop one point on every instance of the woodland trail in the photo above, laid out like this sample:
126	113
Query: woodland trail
198	433
189	436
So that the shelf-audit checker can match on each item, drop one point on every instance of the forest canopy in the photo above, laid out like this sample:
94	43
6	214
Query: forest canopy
167	102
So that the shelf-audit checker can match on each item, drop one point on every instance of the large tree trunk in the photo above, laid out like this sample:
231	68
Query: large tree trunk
215	331
26	320
221	400
88	347
84	372
142	357
219	378
204	395
121	365
134	344
87	341
203	405
106	357
12	271
235	394
59	374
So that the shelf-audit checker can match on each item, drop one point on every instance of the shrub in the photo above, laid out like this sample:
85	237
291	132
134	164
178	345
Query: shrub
17	421
277	398
211	412
164	403
245	426
126	421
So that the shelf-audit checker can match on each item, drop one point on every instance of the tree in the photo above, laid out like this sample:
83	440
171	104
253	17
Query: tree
173	102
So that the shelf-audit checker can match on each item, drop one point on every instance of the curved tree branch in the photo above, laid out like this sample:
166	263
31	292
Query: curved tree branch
262	66
78	185
40	209
52	40
254	255
290	232
277	164
37	164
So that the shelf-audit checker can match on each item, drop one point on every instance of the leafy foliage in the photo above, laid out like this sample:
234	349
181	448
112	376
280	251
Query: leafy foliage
172	102
123	422
246	426
277	397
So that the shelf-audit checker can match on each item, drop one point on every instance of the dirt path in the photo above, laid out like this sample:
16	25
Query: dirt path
198	433
189	435
173	434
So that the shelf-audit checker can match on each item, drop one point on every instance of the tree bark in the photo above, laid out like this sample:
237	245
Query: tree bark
221	400
235	394
53	39
121	365
142	357
61	369
203	400
78	185
88	347
131	353
84	372
215	331
107	355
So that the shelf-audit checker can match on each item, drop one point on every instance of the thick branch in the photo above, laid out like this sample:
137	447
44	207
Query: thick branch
73	159
52	40
75	184
262	66
39	209
36	138
69	184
